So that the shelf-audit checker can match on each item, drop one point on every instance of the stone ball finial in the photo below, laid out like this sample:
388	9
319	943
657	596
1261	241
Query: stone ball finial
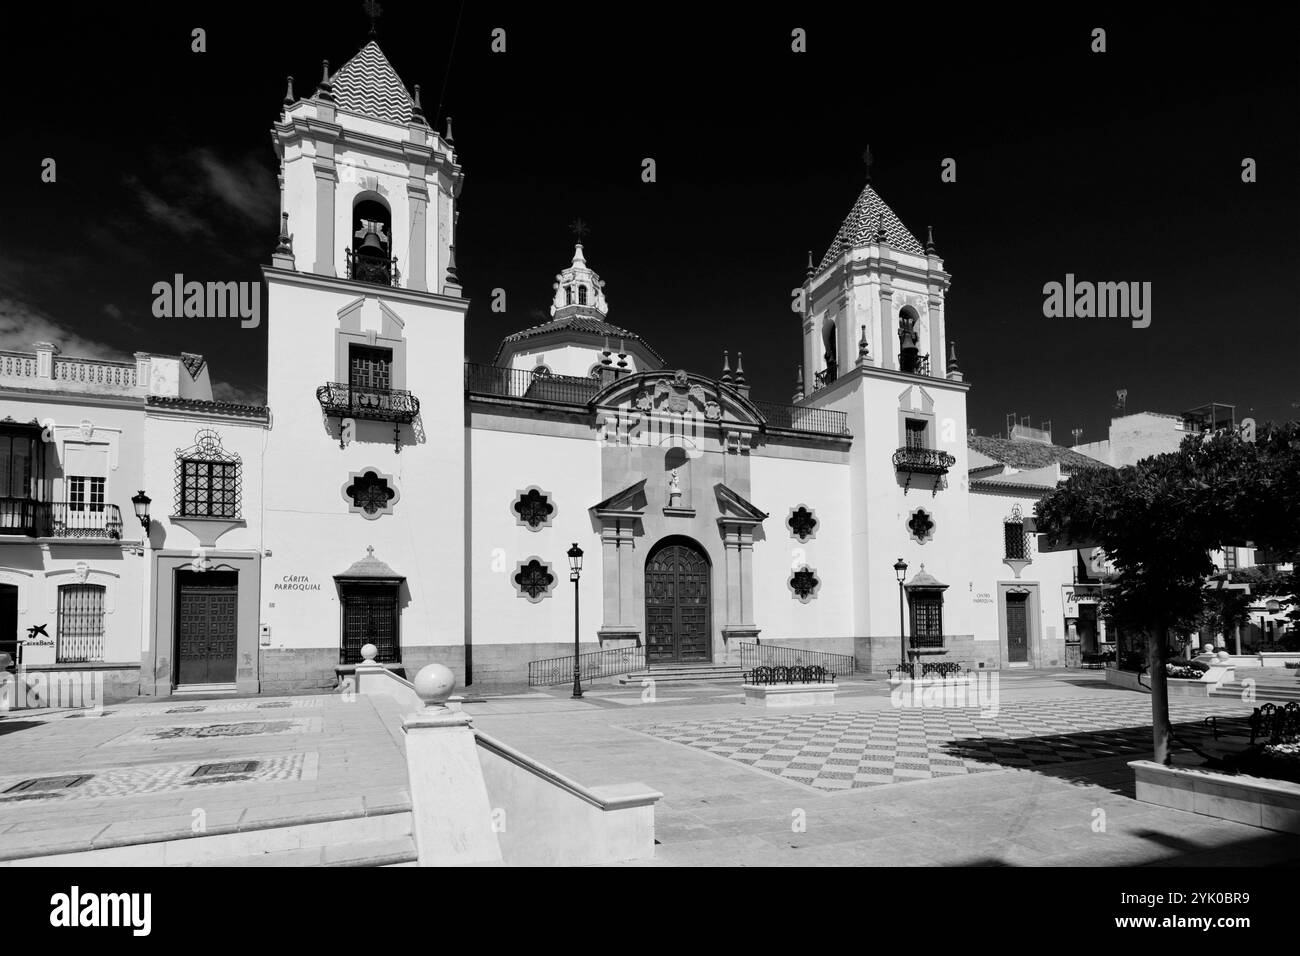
1207	649
369	652
434	683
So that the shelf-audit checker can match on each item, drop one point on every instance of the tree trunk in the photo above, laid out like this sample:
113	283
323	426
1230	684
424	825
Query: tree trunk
1160	730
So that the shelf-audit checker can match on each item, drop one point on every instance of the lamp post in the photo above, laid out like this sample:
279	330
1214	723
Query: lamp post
575	572
140	501
900	569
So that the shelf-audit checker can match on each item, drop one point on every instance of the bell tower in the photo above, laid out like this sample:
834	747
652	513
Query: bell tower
365	351
359	150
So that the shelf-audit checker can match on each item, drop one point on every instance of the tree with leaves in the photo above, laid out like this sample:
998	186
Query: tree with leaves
1159	520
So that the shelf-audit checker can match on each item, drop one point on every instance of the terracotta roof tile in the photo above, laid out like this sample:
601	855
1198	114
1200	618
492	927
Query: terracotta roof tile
1019	453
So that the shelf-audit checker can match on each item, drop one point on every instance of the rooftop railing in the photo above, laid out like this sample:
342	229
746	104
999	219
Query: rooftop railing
530	385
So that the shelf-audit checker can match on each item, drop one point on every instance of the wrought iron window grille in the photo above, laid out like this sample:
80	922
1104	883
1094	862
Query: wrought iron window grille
208	479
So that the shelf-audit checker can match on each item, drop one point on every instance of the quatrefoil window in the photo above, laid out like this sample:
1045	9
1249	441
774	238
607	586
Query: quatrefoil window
802	523
804	584
533	508
370	493
533	580
921	525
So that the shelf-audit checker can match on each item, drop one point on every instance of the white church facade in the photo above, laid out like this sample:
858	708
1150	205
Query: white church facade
391	493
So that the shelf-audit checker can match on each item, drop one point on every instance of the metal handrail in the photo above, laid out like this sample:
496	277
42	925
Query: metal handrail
756	654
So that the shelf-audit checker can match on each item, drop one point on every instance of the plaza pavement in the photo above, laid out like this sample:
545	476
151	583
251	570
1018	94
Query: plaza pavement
1043	781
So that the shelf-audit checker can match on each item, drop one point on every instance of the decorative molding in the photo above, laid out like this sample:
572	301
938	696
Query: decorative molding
82	573
803	523
534	580
533	508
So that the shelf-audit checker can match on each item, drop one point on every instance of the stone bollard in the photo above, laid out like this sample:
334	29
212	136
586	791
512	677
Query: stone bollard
449	801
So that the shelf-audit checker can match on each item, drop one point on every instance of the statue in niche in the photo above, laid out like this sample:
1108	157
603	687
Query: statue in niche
674	490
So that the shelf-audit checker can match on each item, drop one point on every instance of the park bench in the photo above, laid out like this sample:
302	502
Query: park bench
942	669
792	674
1270	723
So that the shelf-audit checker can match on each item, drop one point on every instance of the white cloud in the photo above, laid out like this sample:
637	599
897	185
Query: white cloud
22	325
225	392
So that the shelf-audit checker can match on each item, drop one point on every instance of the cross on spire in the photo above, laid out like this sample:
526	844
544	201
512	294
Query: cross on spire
374	11
579	229
867	160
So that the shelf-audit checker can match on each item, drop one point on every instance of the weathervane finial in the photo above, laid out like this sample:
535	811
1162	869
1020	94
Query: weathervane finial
867	160
374	11
579	229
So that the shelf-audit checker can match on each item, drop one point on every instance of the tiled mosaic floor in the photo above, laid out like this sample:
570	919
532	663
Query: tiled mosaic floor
163	778
843	751
242	728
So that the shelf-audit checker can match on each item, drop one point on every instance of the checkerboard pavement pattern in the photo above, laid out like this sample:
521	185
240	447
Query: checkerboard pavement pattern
851	750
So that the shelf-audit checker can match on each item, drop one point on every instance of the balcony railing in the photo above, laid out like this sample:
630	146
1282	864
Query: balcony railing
818	421
24	516
825	376
341	400
923	461
372	269
59	519
528	384
84	521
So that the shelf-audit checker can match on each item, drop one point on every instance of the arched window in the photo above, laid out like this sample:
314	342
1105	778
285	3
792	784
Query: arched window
568	295
831	370
371	249
582	295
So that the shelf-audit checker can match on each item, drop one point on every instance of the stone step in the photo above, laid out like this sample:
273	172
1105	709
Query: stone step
380	839
1262	690
684	673
396	851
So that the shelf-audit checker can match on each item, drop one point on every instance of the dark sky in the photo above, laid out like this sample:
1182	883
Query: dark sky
1121	166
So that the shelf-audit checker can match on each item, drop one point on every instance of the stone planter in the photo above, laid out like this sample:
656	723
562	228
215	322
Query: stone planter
778	696
1270	804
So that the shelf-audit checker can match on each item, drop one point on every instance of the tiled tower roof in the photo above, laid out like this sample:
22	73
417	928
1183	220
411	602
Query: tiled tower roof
368	84
860	225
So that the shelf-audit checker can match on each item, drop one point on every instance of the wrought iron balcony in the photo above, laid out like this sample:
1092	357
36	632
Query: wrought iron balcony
914	364
59	519
24	516
923	461
341	400
826	376
373	269
68	520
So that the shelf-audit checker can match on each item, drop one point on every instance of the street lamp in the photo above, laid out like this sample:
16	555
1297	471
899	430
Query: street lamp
140	501
900	568
575	572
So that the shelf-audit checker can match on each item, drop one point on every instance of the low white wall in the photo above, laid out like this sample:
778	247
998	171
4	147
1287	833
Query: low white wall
1270	804
545	819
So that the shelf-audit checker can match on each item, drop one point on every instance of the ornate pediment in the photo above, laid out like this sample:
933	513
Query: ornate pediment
659	394
735	509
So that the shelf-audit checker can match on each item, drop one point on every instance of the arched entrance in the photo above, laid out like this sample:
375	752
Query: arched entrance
678	624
